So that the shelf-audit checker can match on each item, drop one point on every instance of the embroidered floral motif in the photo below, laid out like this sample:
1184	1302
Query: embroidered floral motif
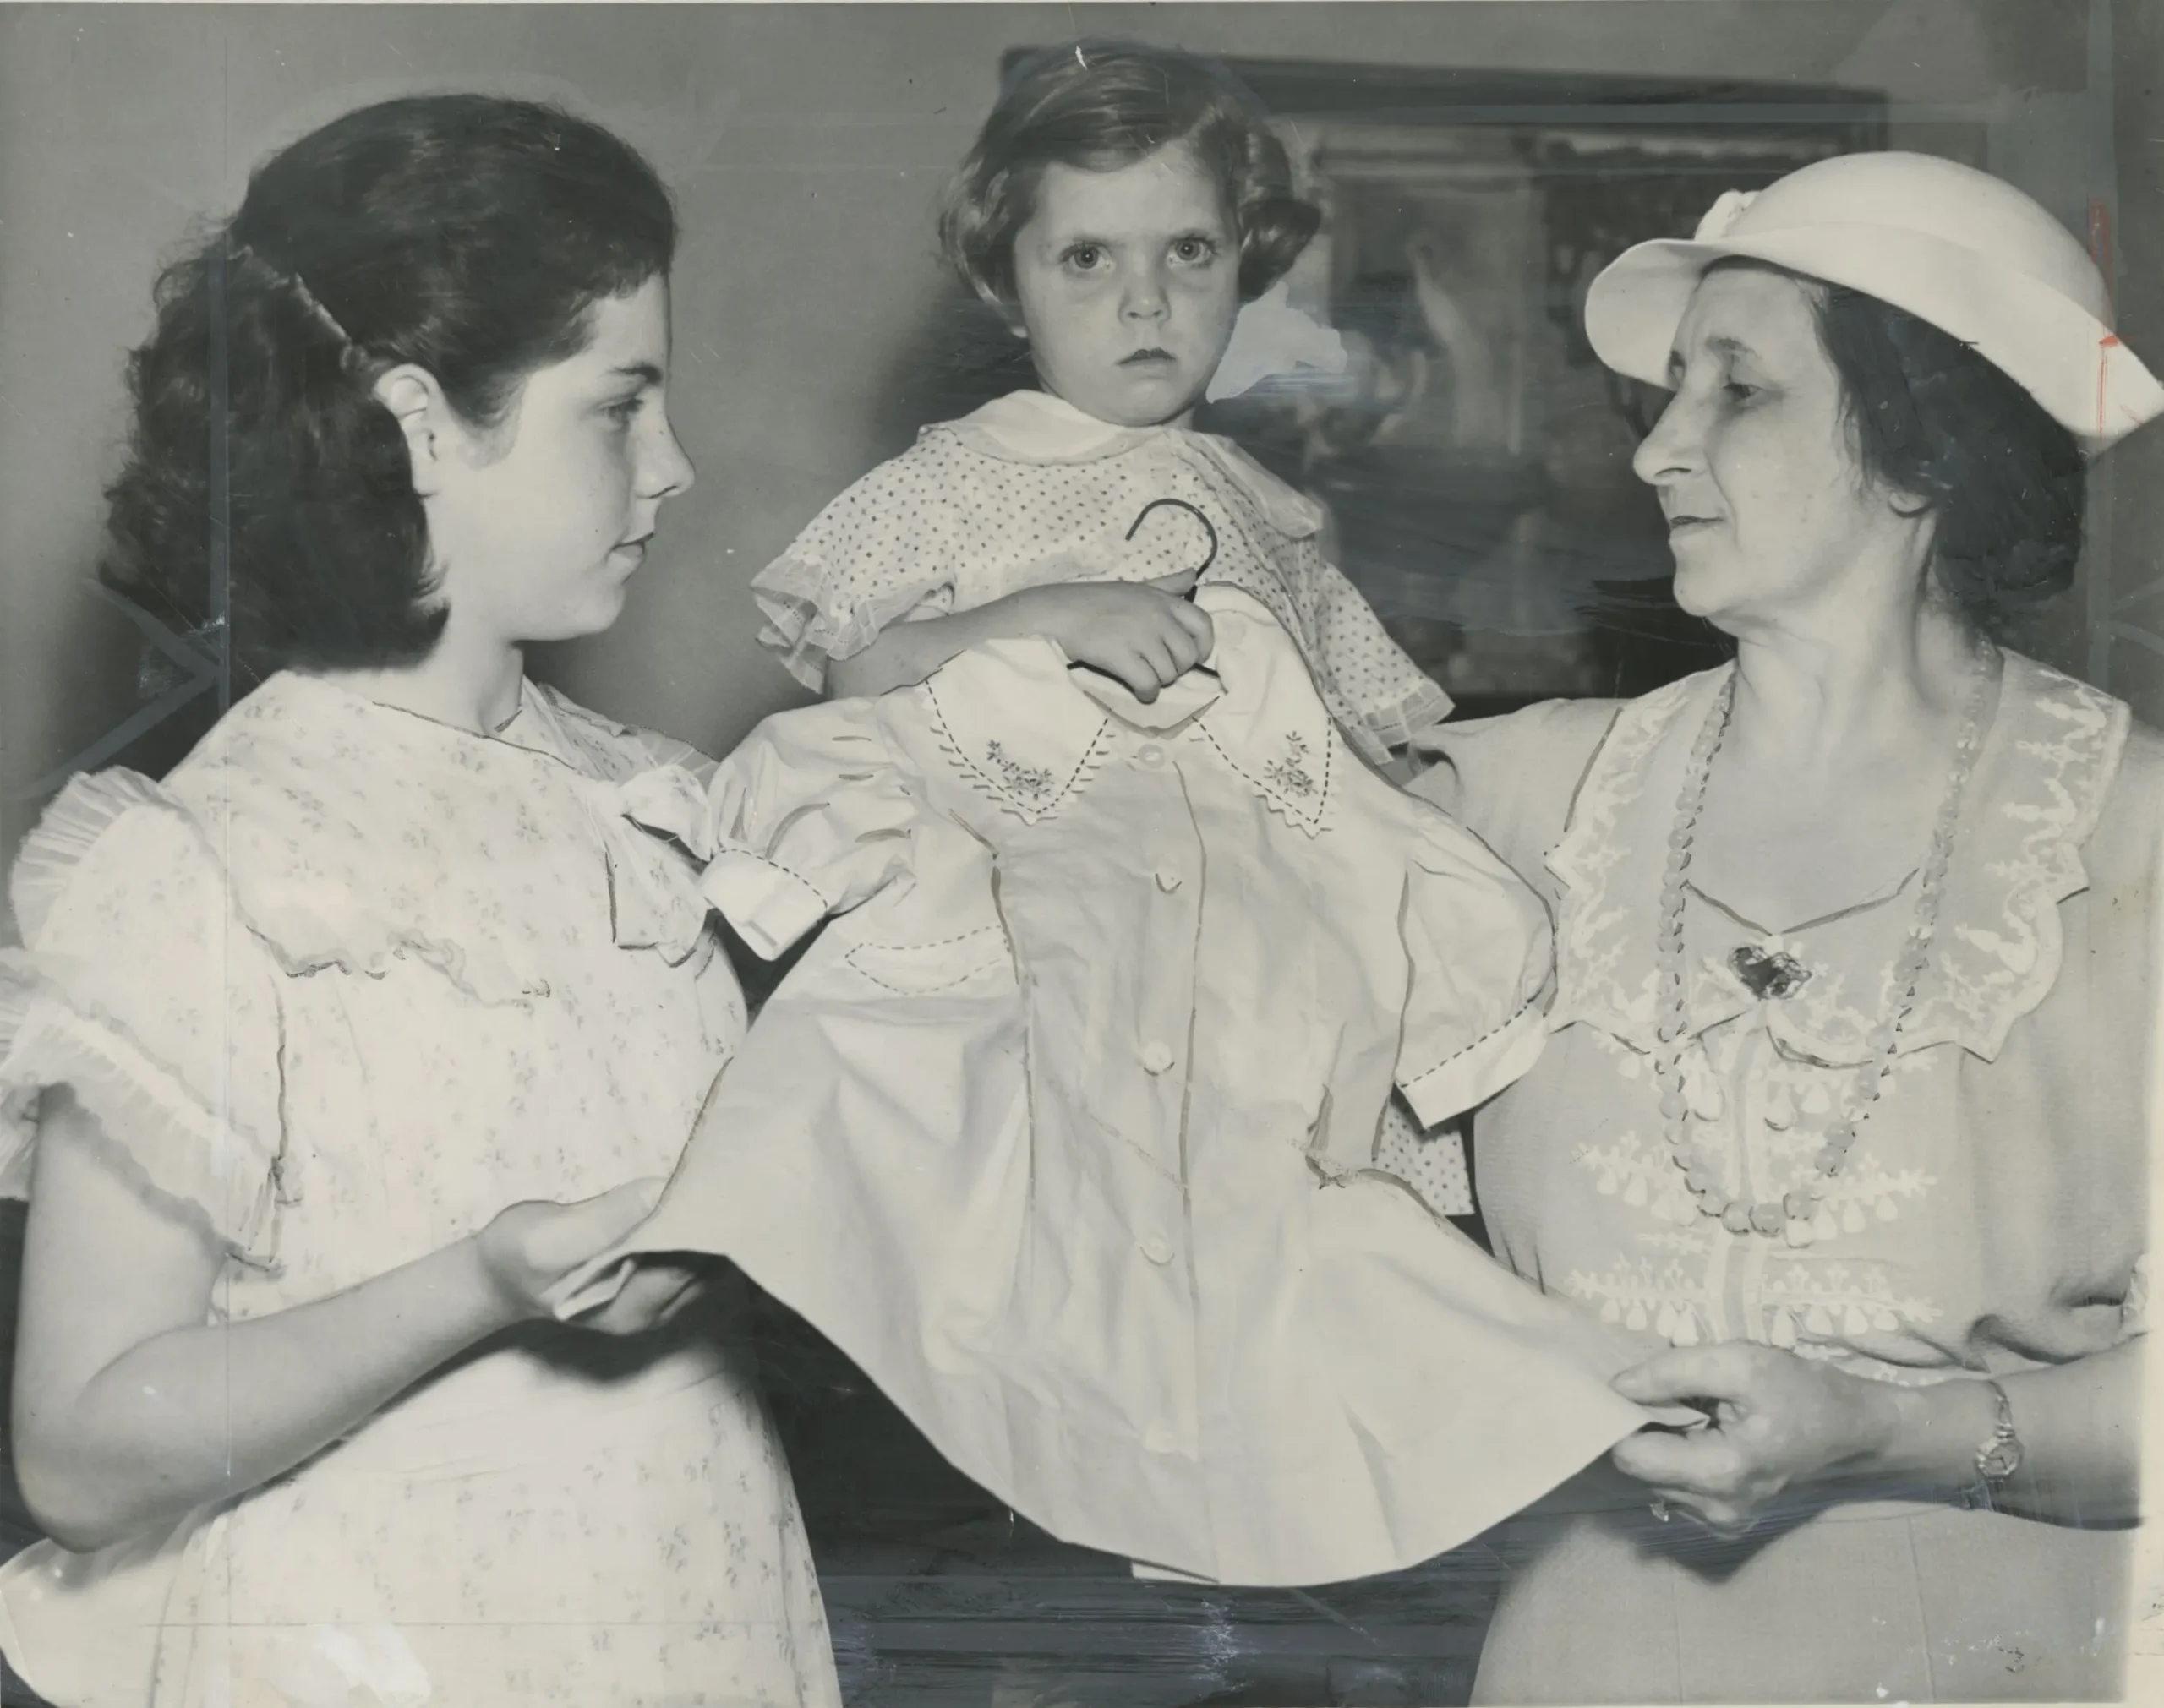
1030	781
1290	773
1656	1293
1819	1303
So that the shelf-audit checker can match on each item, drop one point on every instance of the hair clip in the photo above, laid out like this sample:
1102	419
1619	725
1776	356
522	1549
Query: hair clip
298	286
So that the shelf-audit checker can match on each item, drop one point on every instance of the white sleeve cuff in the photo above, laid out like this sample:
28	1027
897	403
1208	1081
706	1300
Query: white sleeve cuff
1477	1072
770	906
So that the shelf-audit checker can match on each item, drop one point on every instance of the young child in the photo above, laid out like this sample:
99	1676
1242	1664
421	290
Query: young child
1066	1130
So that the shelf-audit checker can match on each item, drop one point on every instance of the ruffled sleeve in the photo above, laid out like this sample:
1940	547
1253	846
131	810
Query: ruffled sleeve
1479	949
1392	700
882	552
810	816
141	991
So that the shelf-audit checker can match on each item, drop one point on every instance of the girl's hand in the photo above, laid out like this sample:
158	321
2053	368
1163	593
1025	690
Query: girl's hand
1778	1423
1144	633
526	1249
655	1290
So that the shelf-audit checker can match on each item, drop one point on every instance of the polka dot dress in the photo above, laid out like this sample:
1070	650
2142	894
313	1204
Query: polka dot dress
974	511
1432	1164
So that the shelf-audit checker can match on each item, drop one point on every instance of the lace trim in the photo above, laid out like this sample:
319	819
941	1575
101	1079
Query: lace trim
1399	723
81	813
2048	768
168	1141
809	635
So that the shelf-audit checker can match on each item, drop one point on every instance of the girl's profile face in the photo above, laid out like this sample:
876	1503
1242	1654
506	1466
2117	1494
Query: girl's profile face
1768	511
1128	283
536	525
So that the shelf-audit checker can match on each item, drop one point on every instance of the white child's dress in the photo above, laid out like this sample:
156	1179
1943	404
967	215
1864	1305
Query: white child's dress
1065	1128
343	986
1030	491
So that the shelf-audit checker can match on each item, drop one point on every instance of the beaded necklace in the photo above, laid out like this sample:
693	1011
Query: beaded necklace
1790	1216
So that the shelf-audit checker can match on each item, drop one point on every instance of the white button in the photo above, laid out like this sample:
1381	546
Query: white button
1157	1248
1168	880
1157	1057
1151	753
1160	1438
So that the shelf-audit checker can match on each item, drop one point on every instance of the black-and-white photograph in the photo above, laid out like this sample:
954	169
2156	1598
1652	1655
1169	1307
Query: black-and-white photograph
1274	855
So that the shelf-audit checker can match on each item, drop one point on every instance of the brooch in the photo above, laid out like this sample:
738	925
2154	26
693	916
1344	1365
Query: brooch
1776	975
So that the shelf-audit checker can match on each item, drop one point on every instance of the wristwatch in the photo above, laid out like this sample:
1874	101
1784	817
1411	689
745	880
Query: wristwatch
1999	1456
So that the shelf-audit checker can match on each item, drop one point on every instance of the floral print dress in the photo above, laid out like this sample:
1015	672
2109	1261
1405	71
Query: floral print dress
347	984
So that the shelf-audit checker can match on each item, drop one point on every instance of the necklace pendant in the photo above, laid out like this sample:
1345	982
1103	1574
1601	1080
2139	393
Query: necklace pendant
1774	975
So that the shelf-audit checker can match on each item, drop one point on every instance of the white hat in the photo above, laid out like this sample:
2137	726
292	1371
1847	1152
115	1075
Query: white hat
1953	246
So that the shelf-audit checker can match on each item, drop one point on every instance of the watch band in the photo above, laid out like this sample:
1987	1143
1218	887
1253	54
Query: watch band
1998	1456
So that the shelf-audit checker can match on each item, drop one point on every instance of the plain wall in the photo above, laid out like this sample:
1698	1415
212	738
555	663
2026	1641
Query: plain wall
805	145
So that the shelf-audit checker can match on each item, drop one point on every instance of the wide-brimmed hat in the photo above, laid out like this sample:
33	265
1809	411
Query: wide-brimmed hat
1953	246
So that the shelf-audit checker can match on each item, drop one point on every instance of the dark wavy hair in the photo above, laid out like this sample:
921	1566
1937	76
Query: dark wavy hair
1099	106
2004	483
268	505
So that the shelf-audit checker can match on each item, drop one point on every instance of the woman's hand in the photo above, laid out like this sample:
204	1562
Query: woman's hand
1145	634
1779	1424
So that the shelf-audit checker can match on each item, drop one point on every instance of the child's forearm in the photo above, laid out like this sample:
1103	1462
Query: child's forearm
905	653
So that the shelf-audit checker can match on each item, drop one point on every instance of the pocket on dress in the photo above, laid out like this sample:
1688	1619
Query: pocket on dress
925	969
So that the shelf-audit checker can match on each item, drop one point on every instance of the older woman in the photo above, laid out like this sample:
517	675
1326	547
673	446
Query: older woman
1843	1097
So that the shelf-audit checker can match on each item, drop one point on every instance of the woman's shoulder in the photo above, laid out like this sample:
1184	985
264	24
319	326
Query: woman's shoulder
1538	753
1511	780
2126	847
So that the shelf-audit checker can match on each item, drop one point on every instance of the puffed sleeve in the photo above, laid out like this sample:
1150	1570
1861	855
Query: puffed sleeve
1392	698
882	552
1477	944
142	991
811	816
1512	780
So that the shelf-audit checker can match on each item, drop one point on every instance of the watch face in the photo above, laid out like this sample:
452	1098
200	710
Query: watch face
2001	1459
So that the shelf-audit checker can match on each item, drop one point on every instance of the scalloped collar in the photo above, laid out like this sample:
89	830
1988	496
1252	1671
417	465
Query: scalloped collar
1021	726
2046	765
1035	427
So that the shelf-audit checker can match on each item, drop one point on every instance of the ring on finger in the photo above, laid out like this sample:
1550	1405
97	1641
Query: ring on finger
1659	1510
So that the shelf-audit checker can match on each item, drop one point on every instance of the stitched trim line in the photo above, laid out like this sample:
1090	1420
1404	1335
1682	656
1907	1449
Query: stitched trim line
1459	1054
985	783
1270	793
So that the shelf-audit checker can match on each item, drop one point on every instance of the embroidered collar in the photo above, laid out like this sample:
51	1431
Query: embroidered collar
1022	726
2041	779
1037	427
320	800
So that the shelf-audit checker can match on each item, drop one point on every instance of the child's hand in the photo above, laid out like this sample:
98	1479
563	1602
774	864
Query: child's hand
1144	633
526	1249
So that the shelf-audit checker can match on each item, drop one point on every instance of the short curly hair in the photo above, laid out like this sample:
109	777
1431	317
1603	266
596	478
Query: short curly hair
2006	484
268	501
1098	105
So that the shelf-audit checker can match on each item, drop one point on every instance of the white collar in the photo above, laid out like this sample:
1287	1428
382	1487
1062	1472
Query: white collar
1035	427
1024	729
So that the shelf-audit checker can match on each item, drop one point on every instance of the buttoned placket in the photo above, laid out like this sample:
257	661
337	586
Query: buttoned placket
1170	905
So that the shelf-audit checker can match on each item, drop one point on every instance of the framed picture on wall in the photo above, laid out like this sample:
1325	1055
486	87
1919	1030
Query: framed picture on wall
1473	454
